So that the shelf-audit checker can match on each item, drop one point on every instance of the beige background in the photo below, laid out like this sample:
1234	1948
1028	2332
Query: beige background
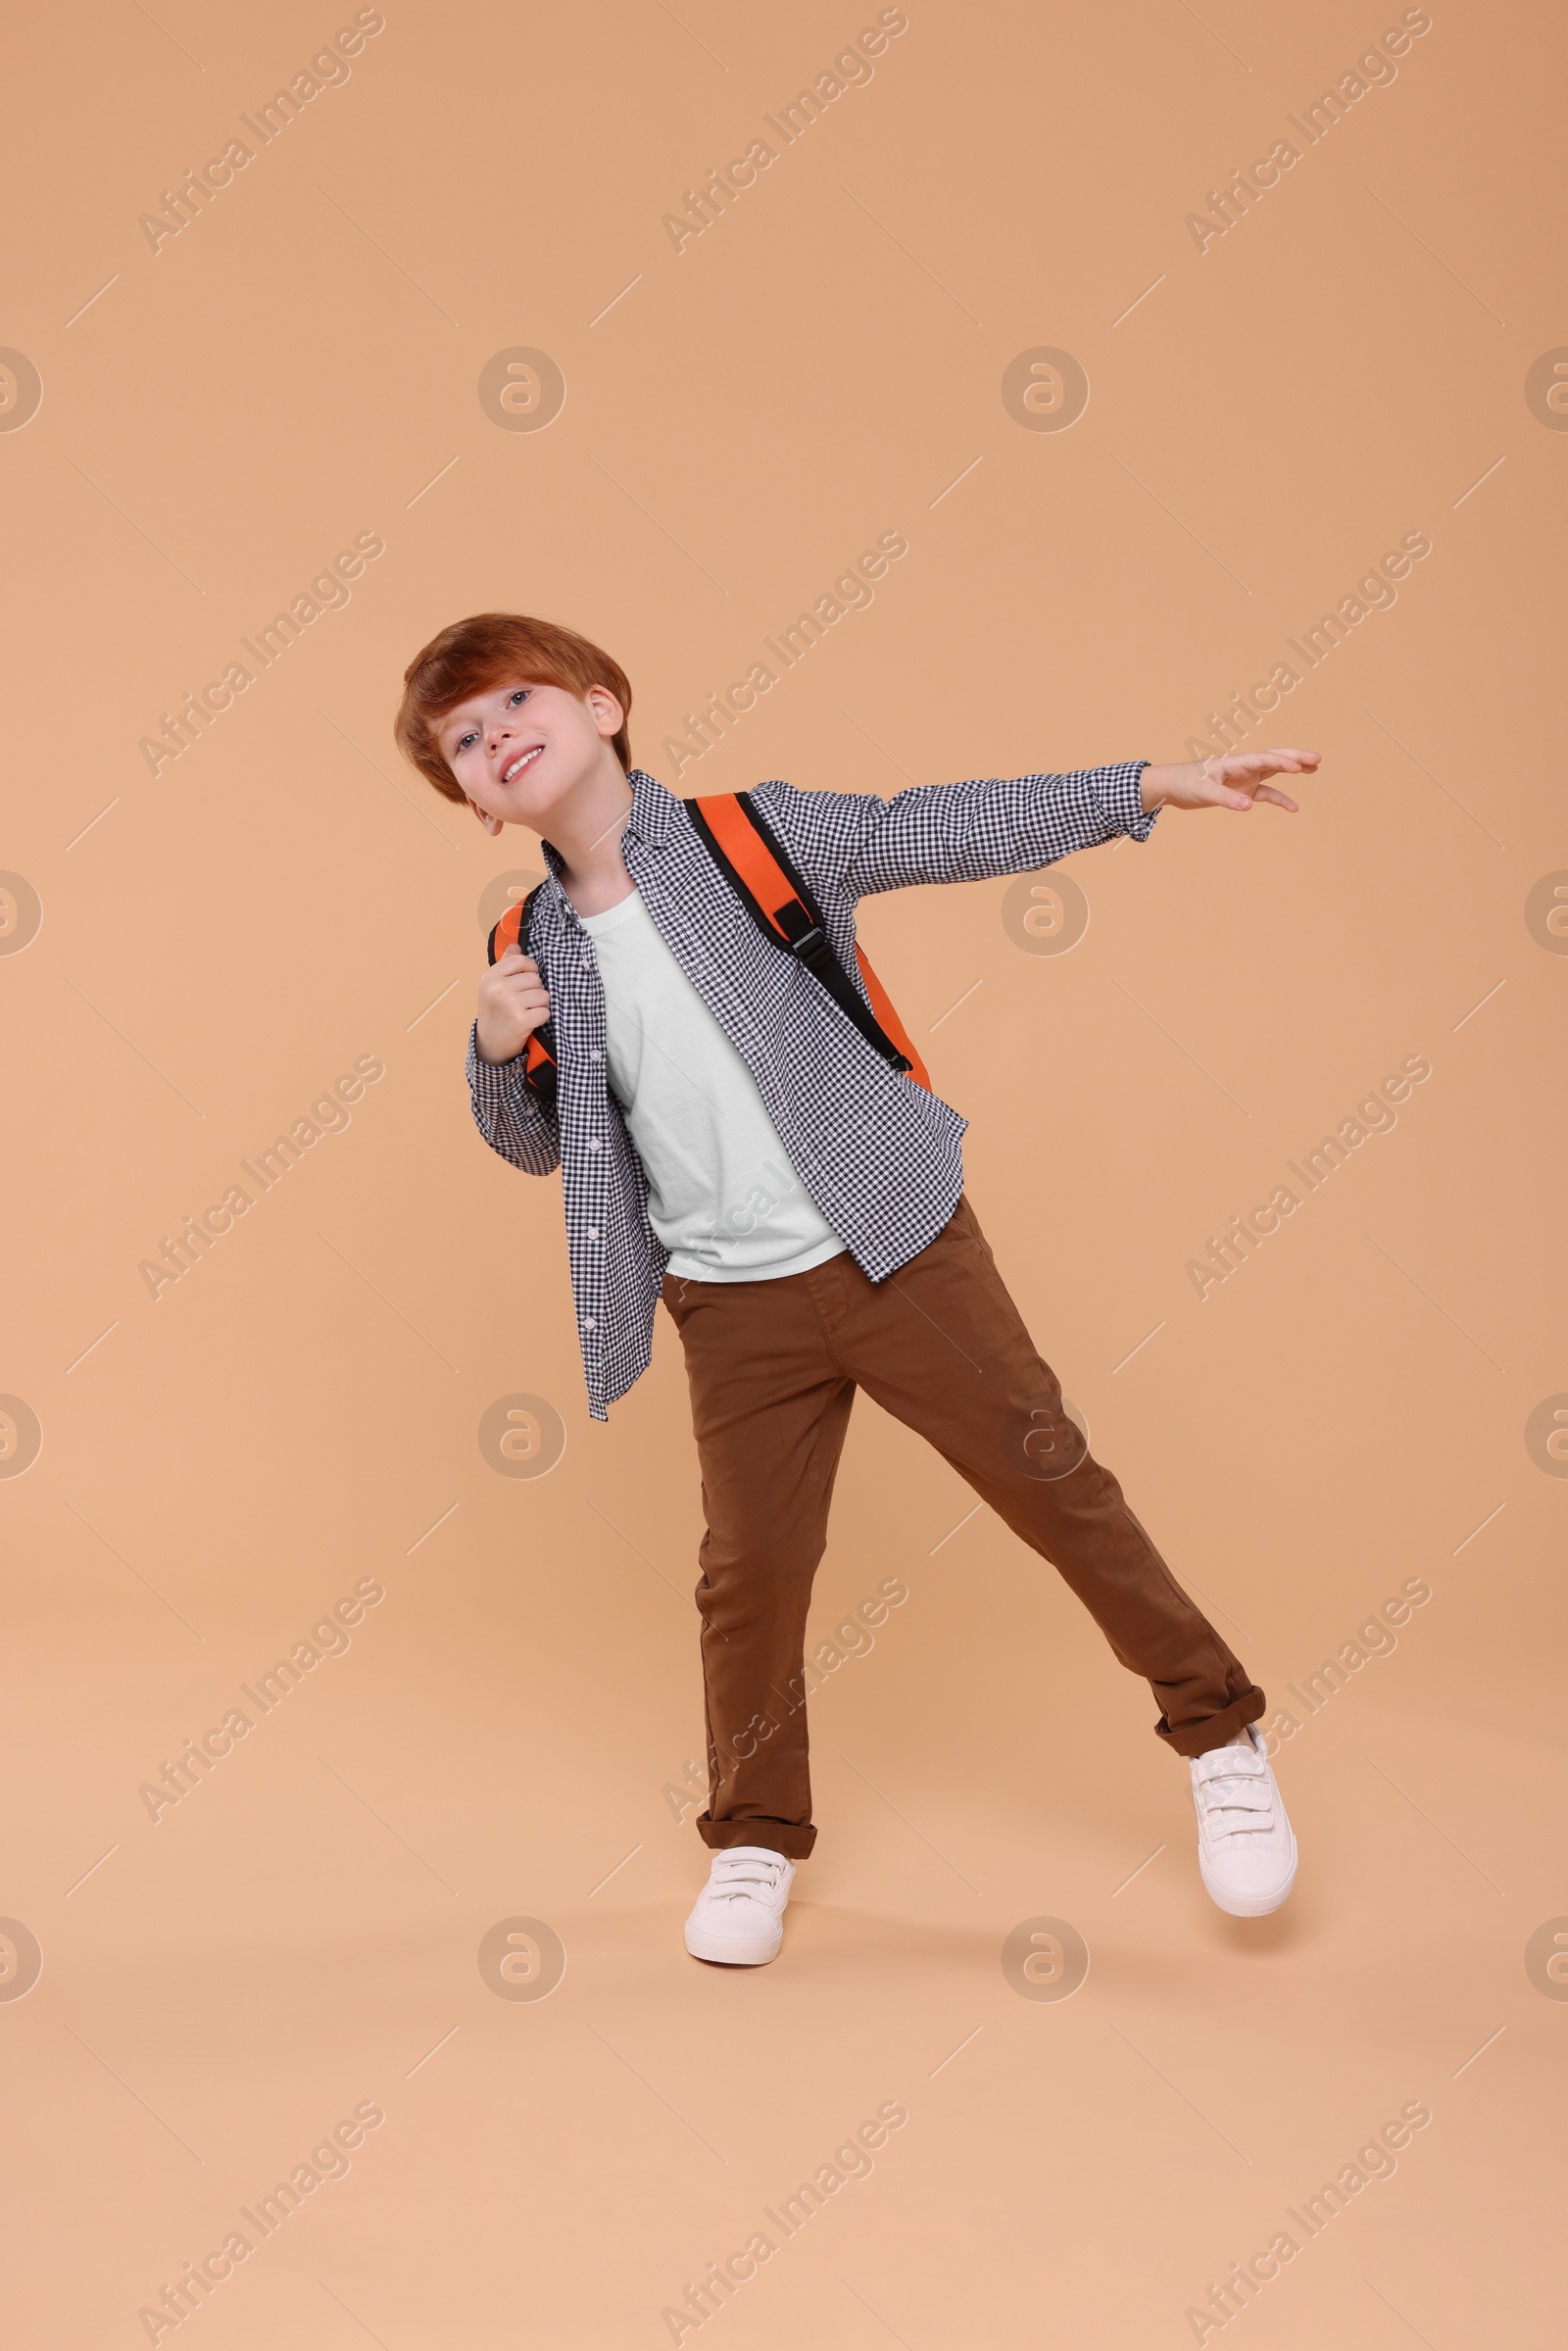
508	1732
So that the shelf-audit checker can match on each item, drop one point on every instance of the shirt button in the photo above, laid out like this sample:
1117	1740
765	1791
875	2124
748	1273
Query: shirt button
593	1143
594	1053
589	1323
592	1232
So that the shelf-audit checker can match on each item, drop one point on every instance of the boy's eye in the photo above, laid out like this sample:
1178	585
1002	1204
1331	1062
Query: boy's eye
521	694
463	743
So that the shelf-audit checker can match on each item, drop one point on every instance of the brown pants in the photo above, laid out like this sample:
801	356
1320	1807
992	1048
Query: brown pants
773	1367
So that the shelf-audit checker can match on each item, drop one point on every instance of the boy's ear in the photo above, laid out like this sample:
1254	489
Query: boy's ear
492	824
608	717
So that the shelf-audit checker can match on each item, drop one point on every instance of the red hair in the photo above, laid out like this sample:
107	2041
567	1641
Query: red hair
490	650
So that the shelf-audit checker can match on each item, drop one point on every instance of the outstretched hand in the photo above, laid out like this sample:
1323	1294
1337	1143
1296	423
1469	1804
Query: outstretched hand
1232	782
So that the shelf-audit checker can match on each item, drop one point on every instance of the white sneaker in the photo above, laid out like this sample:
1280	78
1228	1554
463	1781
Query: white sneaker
738	1915
1245	1845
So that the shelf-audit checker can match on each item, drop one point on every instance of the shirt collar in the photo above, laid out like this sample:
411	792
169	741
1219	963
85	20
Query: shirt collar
652	813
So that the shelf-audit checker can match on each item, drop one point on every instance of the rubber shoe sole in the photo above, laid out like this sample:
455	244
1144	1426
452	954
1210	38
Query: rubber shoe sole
1246	1906
735	1950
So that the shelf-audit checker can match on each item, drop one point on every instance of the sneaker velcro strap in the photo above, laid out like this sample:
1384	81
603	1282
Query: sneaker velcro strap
1232	1763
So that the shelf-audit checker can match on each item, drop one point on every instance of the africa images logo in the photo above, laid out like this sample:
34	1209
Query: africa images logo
1229	1251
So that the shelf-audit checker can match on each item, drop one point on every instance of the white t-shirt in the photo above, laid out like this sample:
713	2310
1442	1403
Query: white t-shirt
722	1196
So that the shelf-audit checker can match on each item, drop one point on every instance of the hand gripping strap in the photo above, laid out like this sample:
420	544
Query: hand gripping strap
539	1051
759	868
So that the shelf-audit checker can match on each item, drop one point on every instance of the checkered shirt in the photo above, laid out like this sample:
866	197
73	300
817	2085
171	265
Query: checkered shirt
880	1155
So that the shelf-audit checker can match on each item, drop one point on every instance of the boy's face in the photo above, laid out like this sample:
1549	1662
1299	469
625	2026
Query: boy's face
519	749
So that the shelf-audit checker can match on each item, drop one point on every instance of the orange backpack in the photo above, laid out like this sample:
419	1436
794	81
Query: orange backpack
759	869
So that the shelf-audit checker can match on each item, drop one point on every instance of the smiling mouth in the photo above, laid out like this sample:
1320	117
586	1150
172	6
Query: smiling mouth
516	766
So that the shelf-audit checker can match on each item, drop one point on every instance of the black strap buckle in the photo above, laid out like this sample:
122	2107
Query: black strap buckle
805	939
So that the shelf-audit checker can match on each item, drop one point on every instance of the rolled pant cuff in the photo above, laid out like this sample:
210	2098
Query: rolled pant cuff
779	1836
1215	1730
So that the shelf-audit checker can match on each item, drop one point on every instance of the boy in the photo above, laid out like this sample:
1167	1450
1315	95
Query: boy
739	1138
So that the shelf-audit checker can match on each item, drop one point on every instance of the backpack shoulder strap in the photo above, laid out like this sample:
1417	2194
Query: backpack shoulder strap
760	870
539	1051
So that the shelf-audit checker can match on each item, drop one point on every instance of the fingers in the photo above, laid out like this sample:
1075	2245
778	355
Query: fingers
1284	762
513	986
1249	795
521	979
520	973
1236	780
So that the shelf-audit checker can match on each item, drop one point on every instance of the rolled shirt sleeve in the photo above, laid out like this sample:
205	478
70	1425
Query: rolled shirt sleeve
508	1113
